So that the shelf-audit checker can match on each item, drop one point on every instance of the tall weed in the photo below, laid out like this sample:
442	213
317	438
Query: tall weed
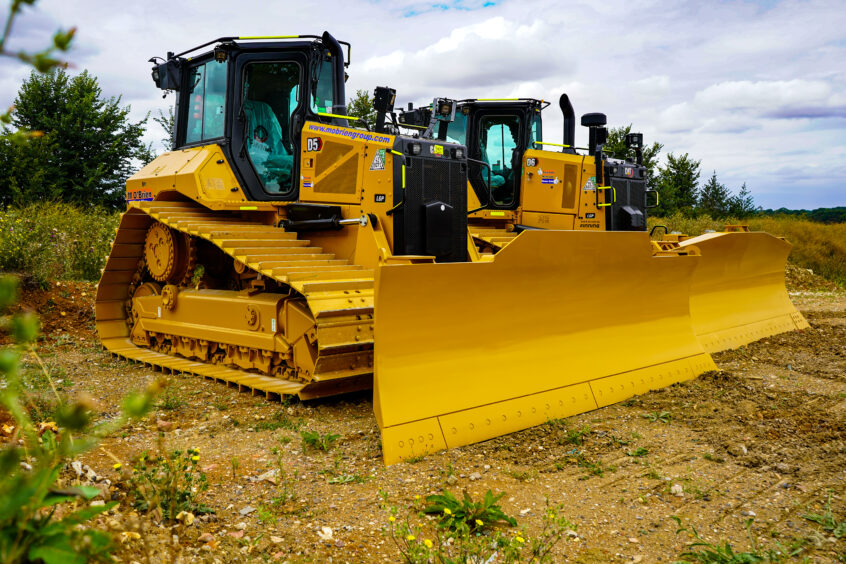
56	241
817	246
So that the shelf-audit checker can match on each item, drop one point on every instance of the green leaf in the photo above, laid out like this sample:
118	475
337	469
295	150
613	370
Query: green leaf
62	39
9	459
87	513
137	404
74	416
8	291
25	327
58	551
9	361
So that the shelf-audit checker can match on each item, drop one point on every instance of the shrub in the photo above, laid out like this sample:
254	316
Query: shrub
40	518
421	540
56	241
474	514
169	483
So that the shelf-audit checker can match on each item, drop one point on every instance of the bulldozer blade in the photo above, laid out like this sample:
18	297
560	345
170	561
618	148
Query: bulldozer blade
738	294
558	323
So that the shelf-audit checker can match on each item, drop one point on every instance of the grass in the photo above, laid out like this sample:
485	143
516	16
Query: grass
574	436
713	458
638	452
56	241
171	400
817	246
313	439
722	552
828	521
658	416
593	468
279	421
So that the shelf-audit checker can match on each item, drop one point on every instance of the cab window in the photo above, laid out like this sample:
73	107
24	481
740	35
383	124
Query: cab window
322	98
537	131
457	130
271	94
207	102
498	142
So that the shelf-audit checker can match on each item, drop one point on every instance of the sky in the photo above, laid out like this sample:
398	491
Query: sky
755	90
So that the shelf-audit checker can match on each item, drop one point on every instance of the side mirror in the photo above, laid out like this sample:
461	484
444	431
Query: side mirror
168	75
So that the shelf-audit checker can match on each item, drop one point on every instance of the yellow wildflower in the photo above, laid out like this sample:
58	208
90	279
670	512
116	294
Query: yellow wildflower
117	466
410	537
428	543
447	511
417	497
392	518
195	458
479	522
521	540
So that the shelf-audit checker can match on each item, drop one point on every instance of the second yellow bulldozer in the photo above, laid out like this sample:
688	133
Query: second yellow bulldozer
281	250
737	292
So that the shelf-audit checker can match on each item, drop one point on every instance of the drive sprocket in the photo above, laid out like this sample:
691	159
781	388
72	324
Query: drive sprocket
170	255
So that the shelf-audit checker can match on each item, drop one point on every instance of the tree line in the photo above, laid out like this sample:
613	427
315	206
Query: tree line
678	183
820	215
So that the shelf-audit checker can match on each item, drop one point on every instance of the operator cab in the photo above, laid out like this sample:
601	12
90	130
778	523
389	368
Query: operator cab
251	96
501	134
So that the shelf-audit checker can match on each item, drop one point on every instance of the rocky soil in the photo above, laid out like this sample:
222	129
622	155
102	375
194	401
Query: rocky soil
763	440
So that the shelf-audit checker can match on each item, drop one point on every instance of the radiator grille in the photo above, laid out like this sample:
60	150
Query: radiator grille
428	180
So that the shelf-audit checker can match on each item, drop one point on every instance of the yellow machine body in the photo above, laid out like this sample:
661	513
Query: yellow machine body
313	338
737	292
558	193
558	323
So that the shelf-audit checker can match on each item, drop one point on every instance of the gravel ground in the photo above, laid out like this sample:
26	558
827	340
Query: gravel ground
763	439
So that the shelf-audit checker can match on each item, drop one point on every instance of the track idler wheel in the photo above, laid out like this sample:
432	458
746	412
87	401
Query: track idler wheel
169	254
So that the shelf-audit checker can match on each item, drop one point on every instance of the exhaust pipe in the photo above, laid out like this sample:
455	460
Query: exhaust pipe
569	120
339	105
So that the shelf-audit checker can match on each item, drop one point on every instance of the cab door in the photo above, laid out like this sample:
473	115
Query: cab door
497	141
268	102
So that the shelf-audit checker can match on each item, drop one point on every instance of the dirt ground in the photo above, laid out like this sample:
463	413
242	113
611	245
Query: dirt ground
763	439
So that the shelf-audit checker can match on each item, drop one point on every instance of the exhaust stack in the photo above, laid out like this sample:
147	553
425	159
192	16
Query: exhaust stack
569	120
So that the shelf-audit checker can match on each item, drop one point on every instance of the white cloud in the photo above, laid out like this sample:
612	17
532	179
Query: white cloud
740	84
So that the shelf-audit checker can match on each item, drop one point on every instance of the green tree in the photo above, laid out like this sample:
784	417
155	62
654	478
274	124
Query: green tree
616	147
86	147
678	185
42	60
361	105
714	198
742	205
166	122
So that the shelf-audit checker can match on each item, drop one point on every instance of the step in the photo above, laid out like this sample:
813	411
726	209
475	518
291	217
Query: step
255	243
278	253
288	270
351	275
255	250
327	258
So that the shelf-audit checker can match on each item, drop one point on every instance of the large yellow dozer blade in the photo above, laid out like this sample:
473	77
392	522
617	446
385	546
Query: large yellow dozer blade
737	294
559	323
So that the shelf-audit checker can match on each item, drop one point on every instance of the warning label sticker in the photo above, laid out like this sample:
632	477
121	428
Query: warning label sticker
378	160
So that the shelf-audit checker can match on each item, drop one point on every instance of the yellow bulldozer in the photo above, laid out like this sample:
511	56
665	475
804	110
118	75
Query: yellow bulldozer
282	250
737	292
